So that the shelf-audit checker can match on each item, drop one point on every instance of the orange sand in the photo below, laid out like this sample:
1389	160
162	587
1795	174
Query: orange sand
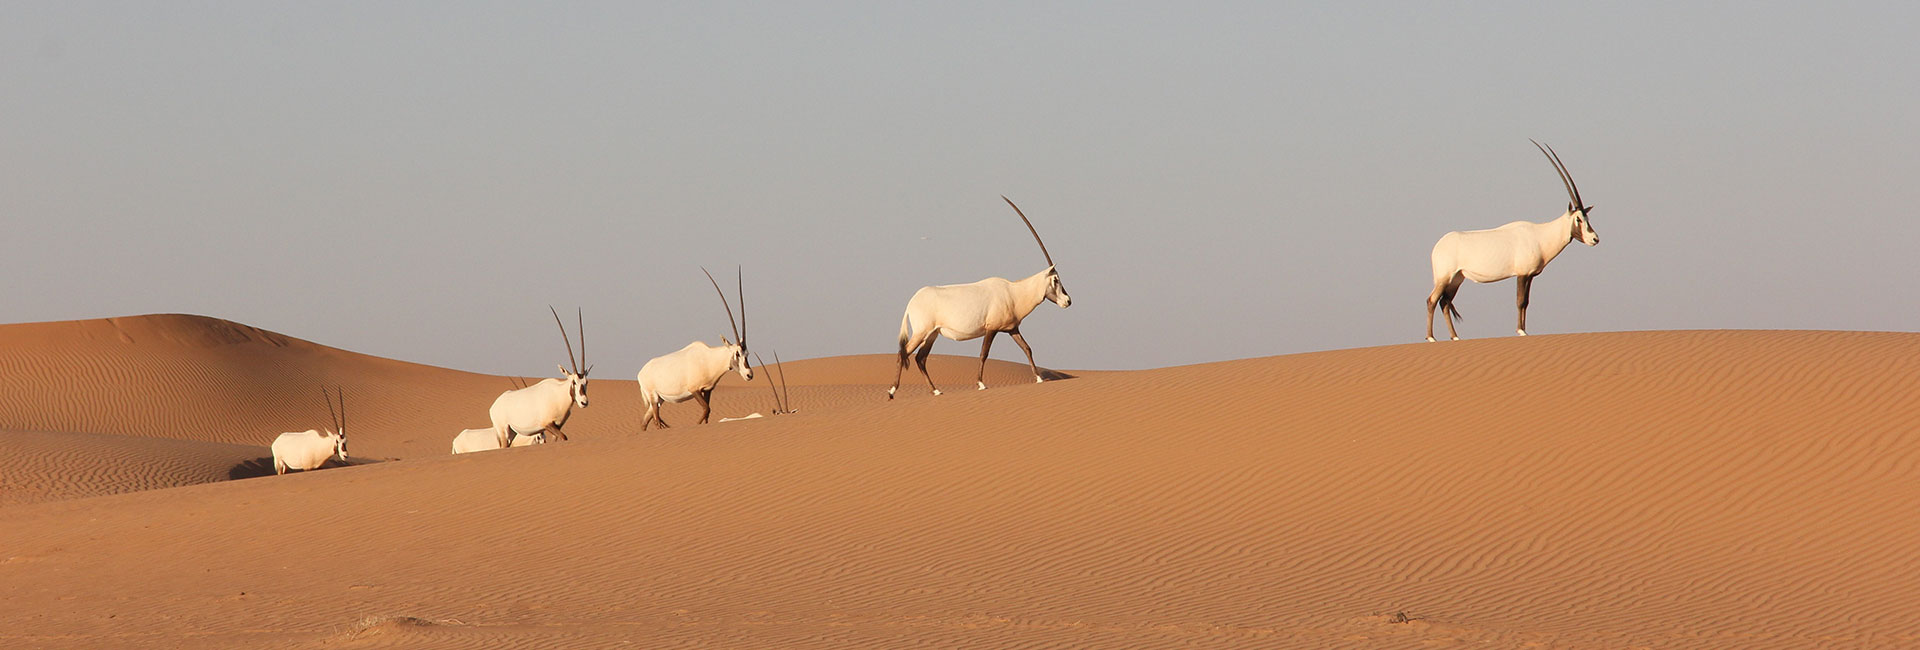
1650	489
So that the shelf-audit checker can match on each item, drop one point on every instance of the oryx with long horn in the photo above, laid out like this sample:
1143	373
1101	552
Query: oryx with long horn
545	405
964	312
693	371
1519	250
308	450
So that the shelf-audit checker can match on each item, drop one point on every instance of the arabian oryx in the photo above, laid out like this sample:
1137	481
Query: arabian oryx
693	371
306	450
545	405
1519	250
964	312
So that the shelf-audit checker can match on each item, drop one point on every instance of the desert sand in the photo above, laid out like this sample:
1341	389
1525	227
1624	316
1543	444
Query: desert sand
1696	489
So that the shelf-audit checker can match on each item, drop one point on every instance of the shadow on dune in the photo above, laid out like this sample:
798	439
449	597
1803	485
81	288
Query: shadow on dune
1054	375
263	466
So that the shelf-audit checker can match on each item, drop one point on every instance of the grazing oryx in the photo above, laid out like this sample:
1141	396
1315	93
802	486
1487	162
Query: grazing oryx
964	312
471	440
1519	250
305	450
545	405
692	372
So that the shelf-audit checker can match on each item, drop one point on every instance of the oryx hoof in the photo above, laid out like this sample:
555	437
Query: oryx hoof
890	392
1522	332
936	391
1429	339
1038	380
983	385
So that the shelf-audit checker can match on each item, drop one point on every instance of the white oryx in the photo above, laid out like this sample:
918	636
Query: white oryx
1519	250
306	450
472	440
545	405
964	312
692	371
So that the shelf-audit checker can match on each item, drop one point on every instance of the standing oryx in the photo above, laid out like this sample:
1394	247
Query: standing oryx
964	312
692	372
1519	250
307	450
545	405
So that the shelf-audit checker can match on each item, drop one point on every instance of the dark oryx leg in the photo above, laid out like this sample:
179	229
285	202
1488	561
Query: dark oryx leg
555	432
1525	284
906	345
920	359
1017	338
985	344
654	413
1433	300
705	398
1446	303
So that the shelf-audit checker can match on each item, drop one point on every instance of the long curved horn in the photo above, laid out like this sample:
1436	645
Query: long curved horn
740	293
1573	192
777	405
724	303
563	339
786	398
1036	233
328	398
580	321
342	394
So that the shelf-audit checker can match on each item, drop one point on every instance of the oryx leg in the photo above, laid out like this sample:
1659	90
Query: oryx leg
1017	338
653	416
553	431
1525	284
986	343
705	398
912	343
1447	311
920	359
1433	301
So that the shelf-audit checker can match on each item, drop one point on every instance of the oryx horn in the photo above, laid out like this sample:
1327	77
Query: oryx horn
1573	191
728	306
564	339
1036	233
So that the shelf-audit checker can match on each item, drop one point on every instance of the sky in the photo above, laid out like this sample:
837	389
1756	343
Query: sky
1215	180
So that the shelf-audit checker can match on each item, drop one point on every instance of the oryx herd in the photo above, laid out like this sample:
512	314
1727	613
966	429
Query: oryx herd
536	413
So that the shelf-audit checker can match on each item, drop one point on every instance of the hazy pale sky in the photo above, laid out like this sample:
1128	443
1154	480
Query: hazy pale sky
420	180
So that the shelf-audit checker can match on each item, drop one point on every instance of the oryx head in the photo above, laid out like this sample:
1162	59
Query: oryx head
1582	226
738	347
1056	292
576	380
339	429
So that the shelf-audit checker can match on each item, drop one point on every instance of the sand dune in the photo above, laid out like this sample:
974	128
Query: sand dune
1646	489
205	379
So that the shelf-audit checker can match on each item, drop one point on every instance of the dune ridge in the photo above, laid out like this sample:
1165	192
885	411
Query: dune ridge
1722	489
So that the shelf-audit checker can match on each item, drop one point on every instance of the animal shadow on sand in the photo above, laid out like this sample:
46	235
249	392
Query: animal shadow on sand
263	466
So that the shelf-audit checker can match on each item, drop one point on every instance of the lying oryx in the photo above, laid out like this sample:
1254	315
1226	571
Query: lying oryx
545	405
693	371
964	312
472	440
1519	250
306	450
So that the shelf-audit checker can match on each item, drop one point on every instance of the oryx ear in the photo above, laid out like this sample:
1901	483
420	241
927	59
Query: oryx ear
588	371
723	339
563	369
1589	208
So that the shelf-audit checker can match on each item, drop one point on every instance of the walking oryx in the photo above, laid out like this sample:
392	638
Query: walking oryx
545	405
692	372
1519	250
306	450
964	312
